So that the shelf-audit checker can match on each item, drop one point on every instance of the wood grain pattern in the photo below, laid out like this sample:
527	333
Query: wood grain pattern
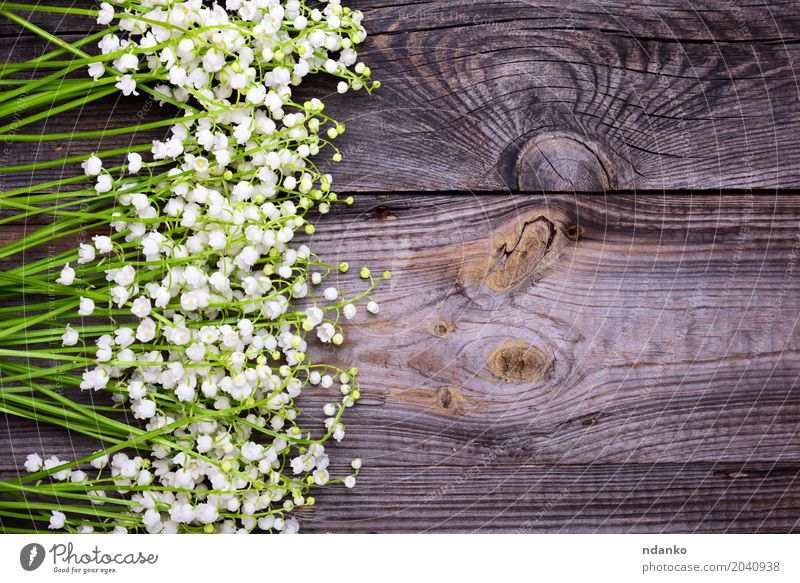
659	389
549	363
591	498
555	96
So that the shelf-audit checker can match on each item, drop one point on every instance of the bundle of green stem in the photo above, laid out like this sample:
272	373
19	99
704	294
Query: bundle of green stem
169	312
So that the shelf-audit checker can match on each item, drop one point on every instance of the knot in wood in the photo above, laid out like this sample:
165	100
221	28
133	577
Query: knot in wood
442	329
449	399
573	232
515	259
517	361
562	163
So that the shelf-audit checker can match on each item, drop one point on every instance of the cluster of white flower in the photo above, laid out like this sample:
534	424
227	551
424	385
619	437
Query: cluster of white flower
203	259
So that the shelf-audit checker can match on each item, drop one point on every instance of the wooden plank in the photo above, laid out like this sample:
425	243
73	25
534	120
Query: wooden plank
666	332
577	95
492	493
639	353
490	497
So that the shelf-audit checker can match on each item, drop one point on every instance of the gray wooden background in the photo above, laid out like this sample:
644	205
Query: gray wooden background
546	359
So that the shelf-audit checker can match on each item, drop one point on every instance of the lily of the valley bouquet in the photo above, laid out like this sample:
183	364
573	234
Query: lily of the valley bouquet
176	331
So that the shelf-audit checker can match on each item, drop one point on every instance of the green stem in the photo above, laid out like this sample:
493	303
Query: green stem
52	9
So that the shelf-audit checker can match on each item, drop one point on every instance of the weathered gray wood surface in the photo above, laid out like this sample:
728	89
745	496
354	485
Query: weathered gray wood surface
557	362
573	363
542	96
662	374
